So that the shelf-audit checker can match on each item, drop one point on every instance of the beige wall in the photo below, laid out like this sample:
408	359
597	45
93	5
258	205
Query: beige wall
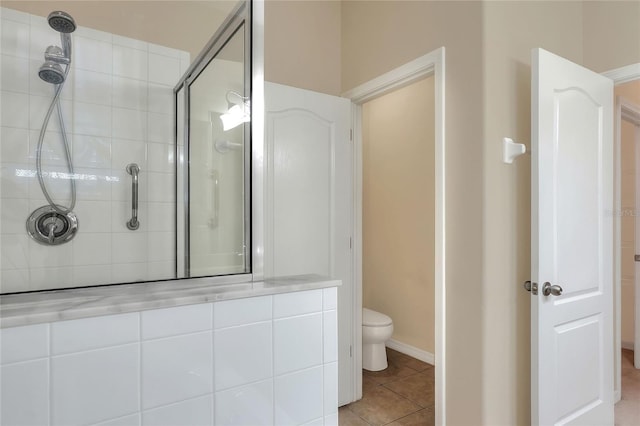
185	25
611	34
398	211
630	92
378	36
488	209
302	44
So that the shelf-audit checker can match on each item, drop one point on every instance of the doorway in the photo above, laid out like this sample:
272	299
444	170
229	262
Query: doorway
429	65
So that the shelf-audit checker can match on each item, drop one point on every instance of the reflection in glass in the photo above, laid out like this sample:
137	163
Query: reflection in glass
218	129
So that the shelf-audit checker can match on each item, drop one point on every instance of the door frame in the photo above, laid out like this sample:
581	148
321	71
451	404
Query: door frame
431	64
619	76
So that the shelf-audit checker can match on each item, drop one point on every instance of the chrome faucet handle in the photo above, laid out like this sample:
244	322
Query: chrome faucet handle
52	233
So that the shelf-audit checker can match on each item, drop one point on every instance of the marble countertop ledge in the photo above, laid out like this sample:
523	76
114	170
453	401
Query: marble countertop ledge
59	305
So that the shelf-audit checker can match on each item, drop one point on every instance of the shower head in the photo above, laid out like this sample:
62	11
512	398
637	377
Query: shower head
52	73
61	22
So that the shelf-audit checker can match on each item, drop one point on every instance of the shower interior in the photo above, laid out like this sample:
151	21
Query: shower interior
115	108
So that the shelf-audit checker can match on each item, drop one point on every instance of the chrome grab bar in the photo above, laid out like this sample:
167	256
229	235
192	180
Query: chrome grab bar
133	170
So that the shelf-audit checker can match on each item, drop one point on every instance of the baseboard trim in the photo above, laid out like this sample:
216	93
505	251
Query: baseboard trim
627	345
412	351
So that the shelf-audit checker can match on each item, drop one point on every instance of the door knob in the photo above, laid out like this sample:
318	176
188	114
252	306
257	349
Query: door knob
548	289
532	287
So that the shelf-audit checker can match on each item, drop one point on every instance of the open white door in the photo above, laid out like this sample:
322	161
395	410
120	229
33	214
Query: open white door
309	200
572	244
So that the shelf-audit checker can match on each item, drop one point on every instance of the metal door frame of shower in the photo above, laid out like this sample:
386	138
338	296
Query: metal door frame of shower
239	19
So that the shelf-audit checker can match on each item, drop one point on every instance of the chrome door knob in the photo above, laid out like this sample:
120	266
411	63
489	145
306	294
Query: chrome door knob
551	290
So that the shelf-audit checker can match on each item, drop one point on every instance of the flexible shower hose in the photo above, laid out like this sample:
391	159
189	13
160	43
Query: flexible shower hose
56	102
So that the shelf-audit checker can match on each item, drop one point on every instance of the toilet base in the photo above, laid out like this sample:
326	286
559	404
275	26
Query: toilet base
374	356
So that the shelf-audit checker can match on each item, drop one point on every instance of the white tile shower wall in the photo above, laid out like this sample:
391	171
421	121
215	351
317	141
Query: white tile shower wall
206	364
118	108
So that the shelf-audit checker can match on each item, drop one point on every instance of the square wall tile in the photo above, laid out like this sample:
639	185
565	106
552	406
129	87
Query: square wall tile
41	88
297	303
129	124
53	153
161	187
38	107
91	275
162	246
163	69
15	179
130	42
128	272
161	270
129	93
92	151
125	152
94	34
15	145
92	87
160	99
15	38
129	247
13	212
24	343
161	157
94	386
50	278
93	55
129	62
93	184
242	355
163	218
231	313
14	280
161	127
14	15
15	74
159	323
24	393
176	368
330	336
93	333
92	249
13	107
91	119
316	422
95	216
14	250
297	343
298	397
193	412
246	405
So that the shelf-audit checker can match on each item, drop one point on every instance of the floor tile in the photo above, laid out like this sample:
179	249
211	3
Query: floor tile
425	417
418	388
346	417
627	413
381	406
391	373
399	358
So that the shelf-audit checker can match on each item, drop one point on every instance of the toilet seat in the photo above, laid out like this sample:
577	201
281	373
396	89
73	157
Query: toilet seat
375	319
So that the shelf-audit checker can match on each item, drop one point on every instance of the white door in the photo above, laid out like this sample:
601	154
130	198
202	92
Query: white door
572	243
309	200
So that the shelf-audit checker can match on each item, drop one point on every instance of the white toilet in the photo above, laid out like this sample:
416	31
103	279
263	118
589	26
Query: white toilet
377	328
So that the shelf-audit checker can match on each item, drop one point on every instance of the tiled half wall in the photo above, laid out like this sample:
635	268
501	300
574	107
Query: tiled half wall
269	360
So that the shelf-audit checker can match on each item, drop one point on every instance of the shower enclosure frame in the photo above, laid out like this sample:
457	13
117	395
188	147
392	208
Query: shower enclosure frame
240	19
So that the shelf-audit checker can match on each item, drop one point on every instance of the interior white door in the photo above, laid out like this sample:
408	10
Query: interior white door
572	243
309	200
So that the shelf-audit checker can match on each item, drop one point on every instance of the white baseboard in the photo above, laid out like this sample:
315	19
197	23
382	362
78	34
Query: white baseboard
627	345
412	351
616	396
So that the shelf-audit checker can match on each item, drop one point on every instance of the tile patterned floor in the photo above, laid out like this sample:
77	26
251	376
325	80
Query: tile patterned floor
403	394
628	409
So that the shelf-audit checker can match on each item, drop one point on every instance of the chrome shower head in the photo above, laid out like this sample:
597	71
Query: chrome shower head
51	72
61	22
